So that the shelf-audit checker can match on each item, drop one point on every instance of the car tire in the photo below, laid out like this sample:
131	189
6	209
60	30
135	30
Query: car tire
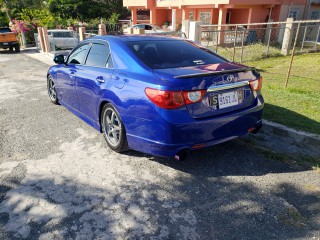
17	48
52	90
113	129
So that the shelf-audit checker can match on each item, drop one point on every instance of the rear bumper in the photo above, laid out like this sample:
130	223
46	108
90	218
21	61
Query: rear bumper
6	45
163	138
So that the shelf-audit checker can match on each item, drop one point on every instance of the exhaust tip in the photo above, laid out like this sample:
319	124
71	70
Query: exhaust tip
181	155
255	129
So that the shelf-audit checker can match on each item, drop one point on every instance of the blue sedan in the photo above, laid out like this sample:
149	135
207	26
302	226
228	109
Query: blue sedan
157	94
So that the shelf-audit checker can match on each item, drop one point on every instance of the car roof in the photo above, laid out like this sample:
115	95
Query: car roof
59	30
136	37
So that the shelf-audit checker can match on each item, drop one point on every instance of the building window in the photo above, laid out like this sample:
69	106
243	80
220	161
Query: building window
191	16
294	13
143	14
205	18
315	15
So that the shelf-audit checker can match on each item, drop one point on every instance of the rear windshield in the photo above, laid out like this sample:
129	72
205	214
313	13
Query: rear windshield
163	54
5	30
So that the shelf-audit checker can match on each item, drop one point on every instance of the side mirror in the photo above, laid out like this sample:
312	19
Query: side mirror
59	59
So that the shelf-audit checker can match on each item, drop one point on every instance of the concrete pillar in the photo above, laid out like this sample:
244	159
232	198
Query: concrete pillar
195	31
24	40
287	38
185	27
153	16
174	19
46	40
82	33
102	29
184	14
221	21
134	16
40	38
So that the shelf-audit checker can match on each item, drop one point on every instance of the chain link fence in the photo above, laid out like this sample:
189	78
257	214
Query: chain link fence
250	42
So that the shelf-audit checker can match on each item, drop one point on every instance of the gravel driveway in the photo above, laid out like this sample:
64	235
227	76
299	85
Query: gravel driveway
59	180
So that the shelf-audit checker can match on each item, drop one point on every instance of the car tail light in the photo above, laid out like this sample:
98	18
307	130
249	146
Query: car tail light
256	85
193	96
173	99
165	99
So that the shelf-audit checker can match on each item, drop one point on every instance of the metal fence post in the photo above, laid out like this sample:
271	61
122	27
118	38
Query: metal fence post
292	54
234	43
268	44
242	43
304	37
217	41
316	40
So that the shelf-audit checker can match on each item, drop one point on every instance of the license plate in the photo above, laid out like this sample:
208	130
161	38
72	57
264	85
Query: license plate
224	100
5	43
228	99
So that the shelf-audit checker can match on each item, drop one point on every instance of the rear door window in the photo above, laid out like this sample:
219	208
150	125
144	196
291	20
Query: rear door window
98	55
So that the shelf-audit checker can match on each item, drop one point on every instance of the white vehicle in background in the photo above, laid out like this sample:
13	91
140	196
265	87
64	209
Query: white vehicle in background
149	29
63	39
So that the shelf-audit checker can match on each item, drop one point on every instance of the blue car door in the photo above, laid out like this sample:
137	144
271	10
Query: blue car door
68	73
93	78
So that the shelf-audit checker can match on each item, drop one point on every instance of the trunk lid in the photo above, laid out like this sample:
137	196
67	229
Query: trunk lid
226	85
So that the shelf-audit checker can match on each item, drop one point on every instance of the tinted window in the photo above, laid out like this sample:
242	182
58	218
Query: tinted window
78	55
5	30
98	55
173	54
62	34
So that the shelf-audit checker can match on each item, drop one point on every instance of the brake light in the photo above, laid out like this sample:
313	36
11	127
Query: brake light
256	85
165	99
173	99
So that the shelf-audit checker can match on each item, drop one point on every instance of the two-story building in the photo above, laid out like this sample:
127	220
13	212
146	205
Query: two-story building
160	12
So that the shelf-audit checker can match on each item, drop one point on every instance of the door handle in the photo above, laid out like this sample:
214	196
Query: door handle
72	74
100	79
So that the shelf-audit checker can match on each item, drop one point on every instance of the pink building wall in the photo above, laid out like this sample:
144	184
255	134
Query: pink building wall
162	16
242	11
239	16
258	14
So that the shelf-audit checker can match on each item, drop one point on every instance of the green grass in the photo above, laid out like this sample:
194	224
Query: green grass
250	53
297	106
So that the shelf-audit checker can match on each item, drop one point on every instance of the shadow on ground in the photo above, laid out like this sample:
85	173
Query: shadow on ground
290	119
205	197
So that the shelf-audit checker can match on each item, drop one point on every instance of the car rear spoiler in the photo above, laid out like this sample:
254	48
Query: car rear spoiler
244	69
